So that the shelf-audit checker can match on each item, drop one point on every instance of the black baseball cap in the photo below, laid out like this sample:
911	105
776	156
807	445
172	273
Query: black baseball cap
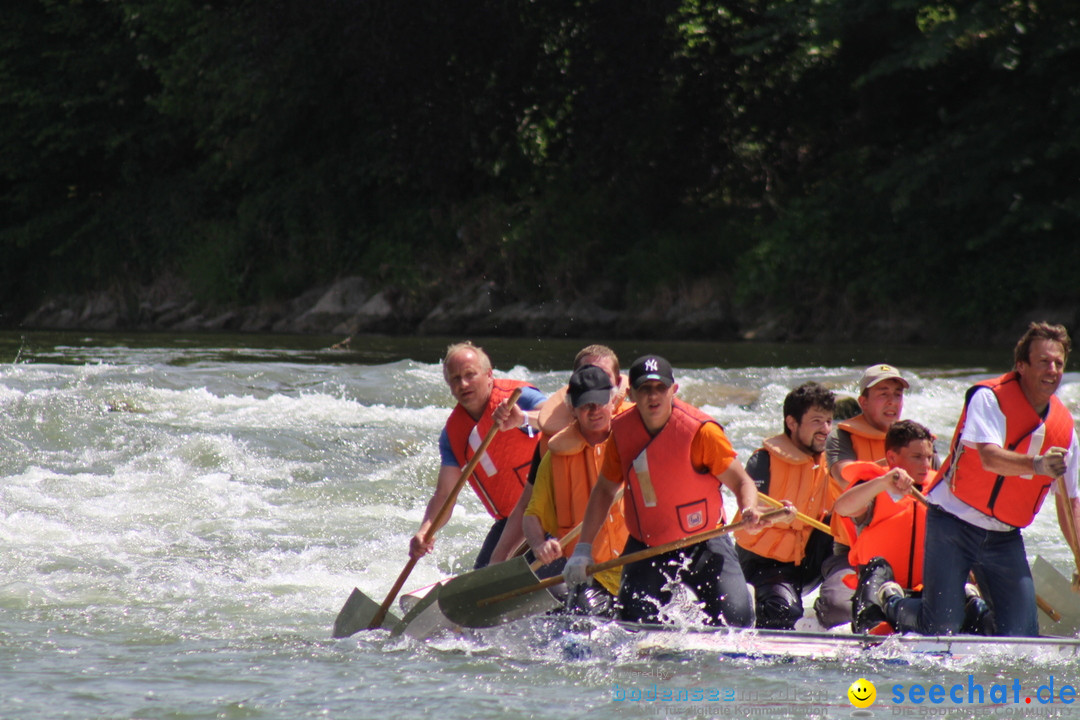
651	367
589	384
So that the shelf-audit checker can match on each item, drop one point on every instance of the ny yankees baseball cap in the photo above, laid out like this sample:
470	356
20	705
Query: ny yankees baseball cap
651	367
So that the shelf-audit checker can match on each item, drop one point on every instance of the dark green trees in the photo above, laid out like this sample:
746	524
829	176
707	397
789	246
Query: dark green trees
867	158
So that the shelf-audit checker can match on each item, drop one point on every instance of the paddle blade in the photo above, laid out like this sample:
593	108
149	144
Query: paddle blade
1056	590
459	599
425	619
408	600
357	613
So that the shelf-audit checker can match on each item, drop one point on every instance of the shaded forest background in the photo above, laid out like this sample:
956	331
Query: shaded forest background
825	163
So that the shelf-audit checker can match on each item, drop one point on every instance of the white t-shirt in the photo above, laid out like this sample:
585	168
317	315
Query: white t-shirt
985	423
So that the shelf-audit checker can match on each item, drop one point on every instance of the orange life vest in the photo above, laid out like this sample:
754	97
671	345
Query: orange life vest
801	478
667	499
502	473
868	441
1012	499
575	466
896	531
869	445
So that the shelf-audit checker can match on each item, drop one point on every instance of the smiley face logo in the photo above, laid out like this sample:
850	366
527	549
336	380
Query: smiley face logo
862	693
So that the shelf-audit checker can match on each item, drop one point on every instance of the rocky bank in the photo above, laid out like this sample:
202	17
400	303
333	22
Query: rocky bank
352	305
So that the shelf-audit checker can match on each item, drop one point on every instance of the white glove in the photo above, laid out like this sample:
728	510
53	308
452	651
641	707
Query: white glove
574	571
1051	464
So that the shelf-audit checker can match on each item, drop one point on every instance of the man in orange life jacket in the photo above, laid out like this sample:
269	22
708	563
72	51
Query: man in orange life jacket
554	415
500	475
886	521
672	458
889	525
564	480
859	438
1008	448
783	561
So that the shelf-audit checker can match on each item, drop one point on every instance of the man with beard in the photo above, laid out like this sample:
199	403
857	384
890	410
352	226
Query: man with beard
783	561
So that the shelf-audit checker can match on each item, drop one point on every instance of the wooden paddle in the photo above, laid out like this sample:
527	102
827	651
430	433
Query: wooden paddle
817	524
523	546
440	518
770	516
1073	539
459	598
1047	608
571	535
1056	592
521	549
1070	523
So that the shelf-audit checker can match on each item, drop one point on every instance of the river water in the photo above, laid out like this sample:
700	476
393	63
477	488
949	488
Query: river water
182	517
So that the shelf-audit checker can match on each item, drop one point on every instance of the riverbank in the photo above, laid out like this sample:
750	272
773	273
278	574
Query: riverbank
353	306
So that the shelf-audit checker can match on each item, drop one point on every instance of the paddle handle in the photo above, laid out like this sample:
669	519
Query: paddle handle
817	524
563	542
440	517
771	515
380	614
1074	540
521	549
1047	608
444	511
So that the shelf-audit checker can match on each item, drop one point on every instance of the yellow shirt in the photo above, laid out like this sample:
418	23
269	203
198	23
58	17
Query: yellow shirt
542	506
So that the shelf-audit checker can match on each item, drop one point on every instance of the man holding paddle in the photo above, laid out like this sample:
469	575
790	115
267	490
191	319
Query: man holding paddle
784	561
1008	450
884	519
672	459
554	415
500	473
886	512
565	478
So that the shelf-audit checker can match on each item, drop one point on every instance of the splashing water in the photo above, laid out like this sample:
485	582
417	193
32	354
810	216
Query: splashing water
181	523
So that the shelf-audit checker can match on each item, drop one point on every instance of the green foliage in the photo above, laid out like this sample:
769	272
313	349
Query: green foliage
818	160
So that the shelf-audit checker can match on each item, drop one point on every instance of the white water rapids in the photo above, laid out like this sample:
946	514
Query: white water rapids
180	524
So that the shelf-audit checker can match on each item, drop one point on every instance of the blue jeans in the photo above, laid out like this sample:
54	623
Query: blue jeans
953	549
492	539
